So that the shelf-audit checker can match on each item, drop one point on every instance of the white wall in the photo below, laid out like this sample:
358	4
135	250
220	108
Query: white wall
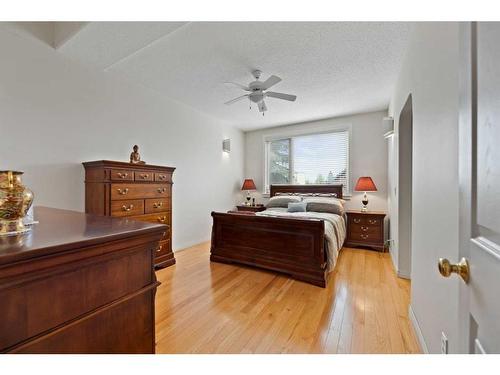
392	199
368	153
430	74
55	114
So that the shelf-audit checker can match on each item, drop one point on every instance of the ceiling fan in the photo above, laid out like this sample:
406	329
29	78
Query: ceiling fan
258	91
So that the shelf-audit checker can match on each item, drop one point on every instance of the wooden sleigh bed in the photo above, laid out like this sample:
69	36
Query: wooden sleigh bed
288	245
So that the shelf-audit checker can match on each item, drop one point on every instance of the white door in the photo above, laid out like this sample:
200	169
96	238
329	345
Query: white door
479	170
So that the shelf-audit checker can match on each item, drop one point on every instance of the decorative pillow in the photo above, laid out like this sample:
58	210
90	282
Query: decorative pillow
282	201
327	205
297	207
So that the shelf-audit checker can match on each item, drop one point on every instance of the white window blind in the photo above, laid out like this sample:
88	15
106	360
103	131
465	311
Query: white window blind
309	159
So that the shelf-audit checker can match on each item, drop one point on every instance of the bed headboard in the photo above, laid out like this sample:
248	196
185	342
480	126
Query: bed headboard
336	189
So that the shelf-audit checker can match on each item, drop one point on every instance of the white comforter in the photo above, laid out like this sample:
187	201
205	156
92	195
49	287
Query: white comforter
335	229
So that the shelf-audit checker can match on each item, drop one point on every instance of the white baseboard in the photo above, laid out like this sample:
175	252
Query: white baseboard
191	246
394	263
417	330
403	275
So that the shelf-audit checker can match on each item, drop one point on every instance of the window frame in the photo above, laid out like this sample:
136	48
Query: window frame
289	135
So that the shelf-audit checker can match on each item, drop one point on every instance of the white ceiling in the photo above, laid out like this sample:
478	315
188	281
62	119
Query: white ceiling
334	68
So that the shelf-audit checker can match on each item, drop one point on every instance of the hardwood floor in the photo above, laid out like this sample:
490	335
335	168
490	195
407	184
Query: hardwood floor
204	307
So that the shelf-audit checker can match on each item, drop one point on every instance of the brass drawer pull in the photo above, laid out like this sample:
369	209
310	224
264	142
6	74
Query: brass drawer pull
125	208
122	175
122	192
159	248
364	236
144	176
162	190
364	229
162	177
158	205
162	219
356	220
373	221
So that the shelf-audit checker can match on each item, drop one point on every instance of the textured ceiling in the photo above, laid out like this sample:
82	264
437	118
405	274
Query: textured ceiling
334	68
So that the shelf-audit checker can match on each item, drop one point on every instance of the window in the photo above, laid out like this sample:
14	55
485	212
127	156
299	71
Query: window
309	159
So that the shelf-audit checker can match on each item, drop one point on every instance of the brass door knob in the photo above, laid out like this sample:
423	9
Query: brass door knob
462	268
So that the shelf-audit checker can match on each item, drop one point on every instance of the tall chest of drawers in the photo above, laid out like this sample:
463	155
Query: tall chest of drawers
138	191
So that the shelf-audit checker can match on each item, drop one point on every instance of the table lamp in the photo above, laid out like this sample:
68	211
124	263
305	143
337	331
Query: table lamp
248	185
365	184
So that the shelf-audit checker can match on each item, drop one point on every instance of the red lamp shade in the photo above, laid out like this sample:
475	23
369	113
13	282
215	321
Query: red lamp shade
365	184
248	184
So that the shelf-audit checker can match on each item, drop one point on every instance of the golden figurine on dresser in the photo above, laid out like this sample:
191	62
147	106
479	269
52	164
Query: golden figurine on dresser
15	201
135	157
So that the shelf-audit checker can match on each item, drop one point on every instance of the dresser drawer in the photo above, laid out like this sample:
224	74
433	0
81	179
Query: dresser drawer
163	177
367	221
134	191
122	175
362	228
158	218
375	221
143	176
356	220
163	248
157	205
127	207
365	237
56	296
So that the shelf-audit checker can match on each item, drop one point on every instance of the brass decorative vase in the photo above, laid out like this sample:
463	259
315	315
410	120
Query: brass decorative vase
15	201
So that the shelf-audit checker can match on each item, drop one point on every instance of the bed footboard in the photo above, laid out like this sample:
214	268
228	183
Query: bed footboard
288	245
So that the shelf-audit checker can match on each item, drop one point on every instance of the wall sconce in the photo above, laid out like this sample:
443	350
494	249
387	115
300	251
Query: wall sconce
226	145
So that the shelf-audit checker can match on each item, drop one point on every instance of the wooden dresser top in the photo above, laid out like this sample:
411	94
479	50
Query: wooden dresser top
125	165
63	230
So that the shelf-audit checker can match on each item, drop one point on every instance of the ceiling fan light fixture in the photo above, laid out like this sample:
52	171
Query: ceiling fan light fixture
258	91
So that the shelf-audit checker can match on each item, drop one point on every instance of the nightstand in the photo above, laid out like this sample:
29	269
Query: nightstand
251	208
365	229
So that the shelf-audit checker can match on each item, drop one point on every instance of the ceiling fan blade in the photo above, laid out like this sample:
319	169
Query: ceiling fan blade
262	106
246	88
271	81
236	99
280	95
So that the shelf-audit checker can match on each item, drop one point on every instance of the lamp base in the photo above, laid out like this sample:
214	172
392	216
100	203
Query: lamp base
365	203
13	227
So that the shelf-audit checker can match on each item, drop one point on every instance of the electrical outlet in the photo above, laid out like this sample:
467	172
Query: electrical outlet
444	343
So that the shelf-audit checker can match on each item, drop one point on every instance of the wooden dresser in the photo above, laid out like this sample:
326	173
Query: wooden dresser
365	229
79	283
138	191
